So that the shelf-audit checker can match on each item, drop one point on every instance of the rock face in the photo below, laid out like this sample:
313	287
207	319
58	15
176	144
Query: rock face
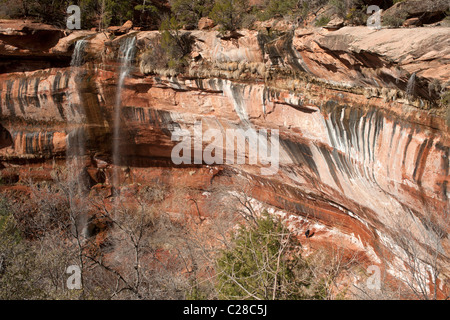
27	37
381	59
361	161
25	46
428	11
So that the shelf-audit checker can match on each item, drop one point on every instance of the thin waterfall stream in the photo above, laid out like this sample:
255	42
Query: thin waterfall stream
126	54
75	150
410	87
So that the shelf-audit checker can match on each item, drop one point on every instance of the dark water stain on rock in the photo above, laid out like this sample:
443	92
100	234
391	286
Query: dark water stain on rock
8	97
300	154
58	95
38	142
22	94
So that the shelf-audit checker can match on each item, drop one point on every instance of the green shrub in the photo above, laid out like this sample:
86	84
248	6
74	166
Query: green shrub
190	11
176	44
445	98
154	57
273	8
265	262
357	16
229	13
248	20
394	21
340	7
353	11
322	21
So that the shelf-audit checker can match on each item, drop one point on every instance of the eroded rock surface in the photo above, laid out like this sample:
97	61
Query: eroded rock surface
360	160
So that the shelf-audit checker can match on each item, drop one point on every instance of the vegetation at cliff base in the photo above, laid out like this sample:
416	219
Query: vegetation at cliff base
265	262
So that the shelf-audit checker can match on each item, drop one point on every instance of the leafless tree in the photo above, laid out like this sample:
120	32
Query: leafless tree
418	243
422	241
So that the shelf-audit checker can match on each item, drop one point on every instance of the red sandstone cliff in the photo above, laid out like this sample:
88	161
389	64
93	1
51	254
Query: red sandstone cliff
360	161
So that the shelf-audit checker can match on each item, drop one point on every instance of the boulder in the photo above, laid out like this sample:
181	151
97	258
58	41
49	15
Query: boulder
428	11
205	23
412	22
335	24
127	25
116	30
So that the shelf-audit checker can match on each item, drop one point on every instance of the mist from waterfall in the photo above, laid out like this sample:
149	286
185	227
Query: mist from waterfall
126	55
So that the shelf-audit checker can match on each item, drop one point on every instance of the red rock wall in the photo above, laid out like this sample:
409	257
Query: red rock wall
353	160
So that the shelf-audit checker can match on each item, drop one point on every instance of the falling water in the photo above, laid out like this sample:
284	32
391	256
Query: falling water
78	53
411	85
126	52
75	147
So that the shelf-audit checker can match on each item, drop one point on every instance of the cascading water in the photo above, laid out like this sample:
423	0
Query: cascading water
126	54
411	85
78	53
75	149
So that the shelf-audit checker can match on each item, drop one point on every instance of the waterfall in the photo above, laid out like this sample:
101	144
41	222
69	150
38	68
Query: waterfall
78	53
411	85
75	141
126	55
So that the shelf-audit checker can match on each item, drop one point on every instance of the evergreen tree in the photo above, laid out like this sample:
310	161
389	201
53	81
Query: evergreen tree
265	263
190	11
229	13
